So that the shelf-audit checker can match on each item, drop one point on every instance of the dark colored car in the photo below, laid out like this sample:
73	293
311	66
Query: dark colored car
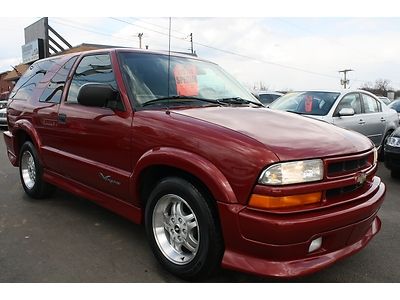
392	153
174	142
396	106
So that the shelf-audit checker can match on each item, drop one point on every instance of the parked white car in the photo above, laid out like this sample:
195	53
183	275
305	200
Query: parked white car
357	110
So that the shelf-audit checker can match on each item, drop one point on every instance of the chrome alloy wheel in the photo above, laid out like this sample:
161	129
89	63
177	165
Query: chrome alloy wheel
28	169
176	229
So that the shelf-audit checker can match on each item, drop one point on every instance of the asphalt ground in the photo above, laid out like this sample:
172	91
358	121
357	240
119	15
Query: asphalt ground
69	239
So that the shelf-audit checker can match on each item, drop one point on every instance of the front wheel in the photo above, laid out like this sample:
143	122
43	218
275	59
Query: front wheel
183	229
31	173
395	173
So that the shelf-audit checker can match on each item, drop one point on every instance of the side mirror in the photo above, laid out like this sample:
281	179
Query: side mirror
98	95
346	111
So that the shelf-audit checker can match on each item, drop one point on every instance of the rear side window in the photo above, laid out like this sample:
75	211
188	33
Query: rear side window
371	105
55	88
91	69
26	85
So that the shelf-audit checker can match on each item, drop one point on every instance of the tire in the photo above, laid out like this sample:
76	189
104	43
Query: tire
395	173
31	173
183	229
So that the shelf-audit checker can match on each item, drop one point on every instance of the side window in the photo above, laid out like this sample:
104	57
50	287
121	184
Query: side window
91	69
350	101
55	88
25	86
370	104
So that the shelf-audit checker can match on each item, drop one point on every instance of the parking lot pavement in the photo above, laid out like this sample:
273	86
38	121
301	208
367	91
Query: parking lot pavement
69	239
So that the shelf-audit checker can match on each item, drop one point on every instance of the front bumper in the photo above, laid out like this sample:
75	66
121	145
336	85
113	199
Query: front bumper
10	142
267	244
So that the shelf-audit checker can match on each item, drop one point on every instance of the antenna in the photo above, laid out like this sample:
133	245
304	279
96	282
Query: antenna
169	62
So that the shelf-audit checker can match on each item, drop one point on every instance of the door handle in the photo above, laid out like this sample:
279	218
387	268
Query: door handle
62	118
383	119
361	122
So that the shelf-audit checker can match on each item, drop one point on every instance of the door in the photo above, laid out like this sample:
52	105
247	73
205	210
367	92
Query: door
95	142
375	121
355	122
46	113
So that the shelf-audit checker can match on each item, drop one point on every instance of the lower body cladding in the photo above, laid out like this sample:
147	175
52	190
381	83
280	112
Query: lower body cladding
290	245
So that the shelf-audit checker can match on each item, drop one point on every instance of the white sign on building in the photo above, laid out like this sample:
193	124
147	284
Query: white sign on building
32	51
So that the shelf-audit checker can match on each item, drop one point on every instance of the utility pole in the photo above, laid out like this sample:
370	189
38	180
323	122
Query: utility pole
140	40
191	43
345	81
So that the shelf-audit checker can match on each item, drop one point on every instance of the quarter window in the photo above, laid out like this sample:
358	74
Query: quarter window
370	104
25	86
91	69
55	88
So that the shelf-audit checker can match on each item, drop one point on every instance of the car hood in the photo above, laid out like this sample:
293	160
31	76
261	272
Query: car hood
288	135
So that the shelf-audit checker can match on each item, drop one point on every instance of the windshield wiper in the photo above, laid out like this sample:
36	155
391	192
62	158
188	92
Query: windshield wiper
162	99
295	112
238	100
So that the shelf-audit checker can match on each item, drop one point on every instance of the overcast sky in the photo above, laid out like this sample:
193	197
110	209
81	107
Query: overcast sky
282	53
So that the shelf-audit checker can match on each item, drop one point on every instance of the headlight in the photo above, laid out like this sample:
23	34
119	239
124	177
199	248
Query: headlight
393	141
293	172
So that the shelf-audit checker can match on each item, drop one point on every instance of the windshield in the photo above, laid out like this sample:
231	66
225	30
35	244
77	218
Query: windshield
395	105
146	76
308	103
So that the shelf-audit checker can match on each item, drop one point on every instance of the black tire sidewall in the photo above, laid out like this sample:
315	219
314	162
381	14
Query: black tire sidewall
205	260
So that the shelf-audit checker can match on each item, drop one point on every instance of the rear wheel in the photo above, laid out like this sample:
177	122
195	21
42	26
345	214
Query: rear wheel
182	229
31	173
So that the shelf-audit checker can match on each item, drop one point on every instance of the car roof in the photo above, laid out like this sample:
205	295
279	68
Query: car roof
132	50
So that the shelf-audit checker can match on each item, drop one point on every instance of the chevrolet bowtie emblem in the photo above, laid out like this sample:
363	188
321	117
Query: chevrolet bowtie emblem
361	178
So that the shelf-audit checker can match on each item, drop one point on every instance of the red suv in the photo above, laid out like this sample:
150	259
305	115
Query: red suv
174	142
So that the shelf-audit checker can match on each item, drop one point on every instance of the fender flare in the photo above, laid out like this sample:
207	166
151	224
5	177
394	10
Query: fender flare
189	162
29	129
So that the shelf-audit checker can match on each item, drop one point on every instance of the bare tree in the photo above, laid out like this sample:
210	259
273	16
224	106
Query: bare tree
379	88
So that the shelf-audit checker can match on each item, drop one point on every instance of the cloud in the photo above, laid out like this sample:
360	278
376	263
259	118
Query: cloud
323	46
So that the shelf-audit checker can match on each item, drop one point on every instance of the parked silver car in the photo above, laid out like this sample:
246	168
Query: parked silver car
357	110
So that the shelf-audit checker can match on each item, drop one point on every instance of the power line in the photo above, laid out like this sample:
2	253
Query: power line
146	22
203	45
68	24
237	54
150	29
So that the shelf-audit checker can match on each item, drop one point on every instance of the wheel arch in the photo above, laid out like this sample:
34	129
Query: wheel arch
24	131
164	162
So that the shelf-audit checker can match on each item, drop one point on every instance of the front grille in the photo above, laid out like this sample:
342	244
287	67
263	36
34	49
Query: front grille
349	165
333	193
3	115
